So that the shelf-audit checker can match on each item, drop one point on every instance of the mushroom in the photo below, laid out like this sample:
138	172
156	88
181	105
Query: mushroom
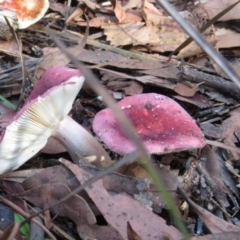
28	12
47	116
162	124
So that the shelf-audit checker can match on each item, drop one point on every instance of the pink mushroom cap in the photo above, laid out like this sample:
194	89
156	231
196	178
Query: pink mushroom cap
162	124
52	77
29	129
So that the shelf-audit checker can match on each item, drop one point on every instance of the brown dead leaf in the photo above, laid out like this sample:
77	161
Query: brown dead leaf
122	16
106	20
10	47
198	100
92	5
132	235
113	182
54	57
214	7
55	174
131	33
133	16
214	176
193	48
166	38
132	4
100	21
151	14
231	130
98	232
74	208
128	87
228	40
186	91
19	176
76	15
121	208
116	60
118	10
164	72
110	75
59	8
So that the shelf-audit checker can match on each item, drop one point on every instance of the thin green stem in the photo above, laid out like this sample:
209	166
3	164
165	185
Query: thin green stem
8	103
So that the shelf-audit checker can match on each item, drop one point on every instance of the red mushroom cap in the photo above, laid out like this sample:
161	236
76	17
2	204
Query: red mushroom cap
28	11
161	123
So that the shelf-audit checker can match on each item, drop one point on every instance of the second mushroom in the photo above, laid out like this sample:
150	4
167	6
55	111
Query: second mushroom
162	124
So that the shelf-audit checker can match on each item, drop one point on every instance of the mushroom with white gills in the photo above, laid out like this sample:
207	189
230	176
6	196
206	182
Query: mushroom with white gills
28	11
45	116
162	124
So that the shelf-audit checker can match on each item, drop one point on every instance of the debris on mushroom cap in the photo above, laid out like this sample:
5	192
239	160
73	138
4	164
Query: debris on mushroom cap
28	11
33	124
162	124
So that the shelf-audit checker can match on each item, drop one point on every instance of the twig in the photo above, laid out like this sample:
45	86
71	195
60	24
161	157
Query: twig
215	82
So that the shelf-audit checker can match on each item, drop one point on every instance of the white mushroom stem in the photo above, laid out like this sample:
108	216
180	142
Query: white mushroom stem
80	143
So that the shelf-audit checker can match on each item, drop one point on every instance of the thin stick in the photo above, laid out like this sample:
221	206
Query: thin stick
208	49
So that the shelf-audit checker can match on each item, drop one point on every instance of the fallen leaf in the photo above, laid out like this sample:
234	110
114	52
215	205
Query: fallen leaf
132	235
214	7
186	91
60	8
132	4
92	5
98	232
120	209
231	130
193	48
145	79
131	33
55	174
151	14
214	176
118	10
113	182
10	47
164	72
198	100
75	208
128	87
116	60
19	176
